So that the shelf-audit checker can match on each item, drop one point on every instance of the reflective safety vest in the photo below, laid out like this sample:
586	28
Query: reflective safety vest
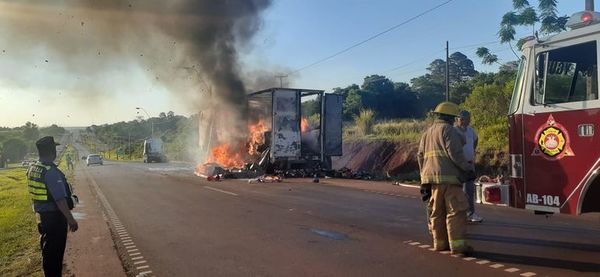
36	180
38	189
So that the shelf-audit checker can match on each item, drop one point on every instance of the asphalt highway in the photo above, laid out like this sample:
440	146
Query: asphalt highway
168	222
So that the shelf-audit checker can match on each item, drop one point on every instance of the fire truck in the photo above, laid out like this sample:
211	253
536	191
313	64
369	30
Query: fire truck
553	115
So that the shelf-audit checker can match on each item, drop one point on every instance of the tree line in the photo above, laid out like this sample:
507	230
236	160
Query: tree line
19	142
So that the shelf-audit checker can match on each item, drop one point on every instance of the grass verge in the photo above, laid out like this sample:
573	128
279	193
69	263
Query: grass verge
19	239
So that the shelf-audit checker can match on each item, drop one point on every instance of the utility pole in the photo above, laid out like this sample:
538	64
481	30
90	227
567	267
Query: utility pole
281	79
589	5
447	72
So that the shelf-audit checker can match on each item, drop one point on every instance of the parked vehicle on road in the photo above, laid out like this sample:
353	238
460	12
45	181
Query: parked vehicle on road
94	159
153	151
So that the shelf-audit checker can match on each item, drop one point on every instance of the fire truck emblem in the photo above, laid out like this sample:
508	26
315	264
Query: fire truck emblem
552	141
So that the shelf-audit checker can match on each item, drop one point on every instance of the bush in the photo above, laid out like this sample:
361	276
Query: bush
364	122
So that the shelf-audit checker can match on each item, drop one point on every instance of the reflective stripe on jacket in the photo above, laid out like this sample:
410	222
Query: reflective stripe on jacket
37	188
441	158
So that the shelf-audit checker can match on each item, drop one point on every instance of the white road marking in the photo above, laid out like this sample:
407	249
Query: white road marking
483	262
128	243
132	250
528	274
137	258
414	243
407	241
431	249
468	258
220	190
445	252
512	269
425	246
125	237
135	254
139	262
144	273
130	246
142	267
127	240
496	265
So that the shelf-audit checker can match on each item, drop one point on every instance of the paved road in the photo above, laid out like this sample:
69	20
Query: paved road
182	225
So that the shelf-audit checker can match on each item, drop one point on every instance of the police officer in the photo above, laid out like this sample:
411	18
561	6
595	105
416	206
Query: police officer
52	202
443	168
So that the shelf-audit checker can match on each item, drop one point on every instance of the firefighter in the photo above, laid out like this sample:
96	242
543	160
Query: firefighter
52	202
443	167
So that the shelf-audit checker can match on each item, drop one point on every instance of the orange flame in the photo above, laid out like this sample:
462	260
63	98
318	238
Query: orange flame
256	136
226	156
304	125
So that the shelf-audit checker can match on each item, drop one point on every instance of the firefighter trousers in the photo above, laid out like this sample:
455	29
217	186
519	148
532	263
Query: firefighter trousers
448	205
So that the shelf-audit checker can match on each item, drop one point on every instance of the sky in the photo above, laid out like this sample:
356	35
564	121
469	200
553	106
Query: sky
294	33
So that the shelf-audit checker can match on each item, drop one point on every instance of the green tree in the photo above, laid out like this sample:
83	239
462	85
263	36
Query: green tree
30	132
53	130
14	149
488	105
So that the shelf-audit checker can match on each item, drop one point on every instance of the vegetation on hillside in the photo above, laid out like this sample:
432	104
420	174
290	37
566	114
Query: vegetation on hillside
17	143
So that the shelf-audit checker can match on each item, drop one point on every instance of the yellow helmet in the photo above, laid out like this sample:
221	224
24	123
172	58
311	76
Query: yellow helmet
447	108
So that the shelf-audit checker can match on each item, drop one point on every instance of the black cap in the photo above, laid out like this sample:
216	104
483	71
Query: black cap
46	142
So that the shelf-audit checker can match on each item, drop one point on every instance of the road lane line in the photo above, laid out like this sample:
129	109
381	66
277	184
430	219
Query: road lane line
137	258
129	246
139	262
128	243
127	240
424	246
512	269
528	274
220	190
414	243
144	273
496	266
143	267
135	254
469	258
483	262
132	250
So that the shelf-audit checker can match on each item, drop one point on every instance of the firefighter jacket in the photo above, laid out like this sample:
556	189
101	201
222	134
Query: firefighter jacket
440	156
37	187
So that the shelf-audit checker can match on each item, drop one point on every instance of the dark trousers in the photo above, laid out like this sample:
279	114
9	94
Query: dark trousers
53	239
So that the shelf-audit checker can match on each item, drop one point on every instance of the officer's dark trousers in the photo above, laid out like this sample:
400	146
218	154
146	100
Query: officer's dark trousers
53	239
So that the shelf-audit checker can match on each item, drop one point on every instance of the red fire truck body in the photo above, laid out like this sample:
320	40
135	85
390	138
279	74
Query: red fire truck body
554	111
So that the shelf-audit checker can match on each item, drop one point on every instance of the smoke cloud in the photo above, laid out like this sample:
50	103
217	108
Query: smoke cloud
191	47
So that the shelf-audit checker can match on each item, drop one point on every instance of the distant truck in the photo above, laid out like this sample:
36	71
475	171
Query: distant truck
153	151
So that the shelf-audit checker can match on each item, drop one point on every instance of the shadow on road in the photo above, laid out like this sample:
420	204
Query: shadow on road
537	242
538	261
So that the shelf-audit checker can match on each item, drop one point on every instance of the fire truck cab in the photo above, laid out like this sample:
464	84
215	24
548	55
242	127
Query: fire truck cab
553	115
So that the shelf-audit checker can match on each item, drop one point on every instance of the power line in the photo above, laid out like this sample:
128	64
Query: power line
371	37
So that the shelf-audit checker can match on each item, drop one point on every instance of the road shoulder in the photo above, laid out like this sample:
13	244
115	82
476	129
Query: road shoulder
91	250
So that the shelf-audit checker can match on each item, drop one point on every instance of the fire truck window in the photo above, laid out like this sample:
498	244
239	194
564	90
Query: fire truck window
568	74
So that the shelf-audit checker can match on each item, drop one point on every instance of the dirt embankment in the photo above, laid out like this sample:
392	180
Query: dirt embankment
386	159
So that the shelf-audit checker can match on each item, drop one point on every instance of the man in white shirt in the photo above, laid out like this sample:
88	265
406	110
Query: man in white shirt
469	148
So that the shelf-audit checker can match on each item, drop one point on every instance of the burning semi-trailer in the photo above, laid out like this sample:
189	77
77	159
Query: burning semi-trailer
279	138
